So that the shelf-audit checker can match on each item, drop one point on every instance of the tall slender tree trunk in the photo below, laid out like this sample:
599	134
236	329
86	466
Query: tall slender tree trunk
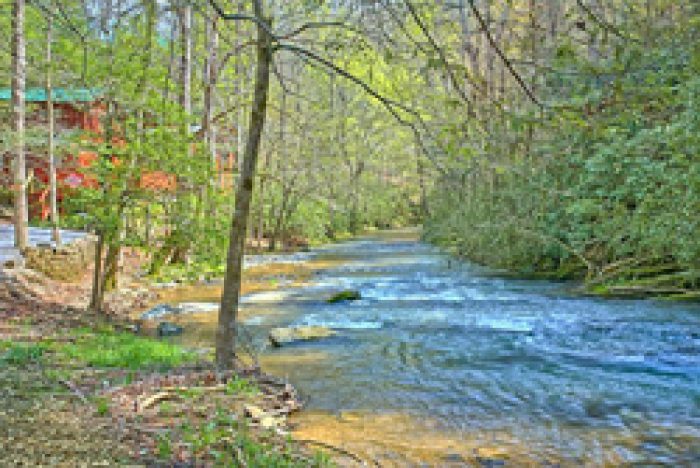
281	164
210	77
490	54
227	324
18	84
238	92
56	233
420	169
184	202
171	75
186	60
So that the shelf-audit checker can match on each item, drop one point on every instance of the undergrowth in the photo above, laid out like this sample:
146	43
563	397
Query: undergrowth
228	441
111	349
20	354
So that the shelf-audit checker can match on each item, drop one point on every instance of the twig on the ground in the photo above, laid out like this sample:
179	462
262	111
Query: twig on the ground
76	391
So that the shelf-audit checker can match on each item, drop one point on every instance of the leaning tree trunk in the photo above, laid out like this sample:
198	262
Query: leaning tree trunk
226	332
185	187
18	82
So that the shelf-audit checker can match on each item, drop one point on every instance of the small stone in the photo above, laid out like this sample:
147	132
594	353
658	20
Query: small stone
270	422
169	329
253	412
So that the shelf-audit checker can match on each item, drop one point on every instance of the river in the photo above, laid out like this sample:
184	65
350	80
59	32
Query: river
440	362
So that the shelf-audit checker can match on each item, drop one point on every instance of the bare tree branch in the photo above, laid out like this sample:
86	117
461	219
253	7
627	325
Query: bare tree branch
441	55
511	69
388	104
604	24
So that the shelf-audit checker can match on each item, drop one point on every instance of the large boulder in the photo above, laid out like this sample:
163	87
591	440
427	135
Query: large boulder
283	336
347	295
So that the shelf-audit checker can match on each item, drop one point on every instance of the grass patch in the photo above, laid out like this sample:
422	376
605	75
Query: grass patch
109	349
227	441
102	406
238	386
19	354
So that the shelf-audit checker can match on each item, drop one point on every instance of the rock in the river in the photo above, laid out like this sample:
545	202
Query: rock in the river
198	307
282	336
348	295
169	329
159	311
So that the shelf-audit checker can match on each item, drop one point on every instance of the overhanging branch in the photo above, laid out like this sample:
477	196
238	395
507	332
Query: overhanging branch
502	56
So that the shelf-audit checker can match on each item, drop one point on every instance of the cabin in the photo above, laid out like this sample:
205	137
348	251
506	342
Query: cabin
78	110
75	110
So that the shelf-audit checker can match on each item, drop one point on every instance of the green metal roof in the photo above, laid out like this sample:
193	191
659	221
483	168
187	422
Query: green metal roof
58	95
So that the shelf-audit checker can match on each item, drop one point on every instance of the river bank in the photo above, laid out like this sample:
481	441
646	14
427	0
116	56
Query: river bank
81	388
628	279
441	363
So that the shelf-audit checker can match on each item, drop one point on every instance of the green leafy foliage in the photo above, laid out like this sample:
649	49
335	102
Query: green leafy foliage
608	174
238	385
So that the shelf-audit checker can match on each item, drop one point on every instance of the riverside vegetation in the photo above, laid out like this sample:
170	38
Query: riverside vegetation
601	183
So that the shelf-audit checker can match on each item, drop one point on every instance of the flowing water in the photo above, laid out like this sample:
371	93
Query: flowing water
440	347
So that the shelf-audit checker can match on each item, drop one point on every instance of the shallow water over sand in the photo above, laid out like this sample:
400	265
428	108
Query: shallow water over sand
443	364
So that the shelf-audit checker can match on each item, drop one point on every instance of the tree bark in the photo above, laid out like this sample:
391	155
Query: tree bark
18	117
95	297
56	233
111	267
186	61
281	165
227	323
